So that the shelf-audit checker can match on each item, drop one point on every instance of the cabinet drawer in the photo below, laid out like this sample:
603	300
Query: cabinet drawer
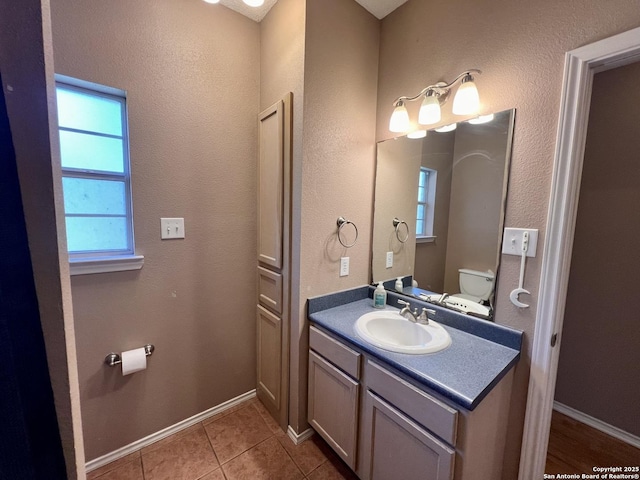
425	409
270	289
337	353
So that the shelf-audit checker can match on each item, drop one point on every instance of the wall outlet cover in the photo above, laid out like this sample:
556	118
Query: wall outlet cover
344	266
389	263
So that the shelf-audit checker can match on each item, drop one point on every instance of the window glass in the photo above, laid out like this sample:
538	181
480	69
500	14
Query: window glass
96	234
91	152
98	197
89	112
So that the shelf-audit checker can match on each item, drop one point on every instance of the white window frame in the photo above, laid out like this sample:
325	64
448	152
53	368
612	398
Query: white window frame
429	204
88	262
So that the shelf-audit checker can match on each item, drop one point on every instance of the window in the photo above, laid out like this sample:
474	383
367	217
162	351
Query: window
94	151
426	204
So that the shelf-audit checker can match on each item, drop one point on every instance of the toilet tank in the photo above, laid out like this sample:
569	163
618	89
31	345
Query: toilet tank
475	283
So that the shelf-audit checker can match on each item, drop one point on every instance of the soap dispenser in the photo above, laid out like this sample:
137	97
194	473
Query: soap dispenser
399	285
379	296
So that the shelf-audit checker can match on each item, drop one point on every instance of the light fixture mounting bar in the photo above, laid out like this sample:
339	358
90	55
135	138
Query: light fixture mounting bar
441	89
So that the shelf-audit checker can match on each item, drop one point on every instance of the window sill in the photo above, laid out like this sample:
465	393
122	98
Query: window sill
86	266
425	239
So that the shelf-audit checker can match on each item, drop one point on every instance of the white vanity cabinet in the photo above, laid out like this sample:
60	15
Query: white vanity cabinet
384	426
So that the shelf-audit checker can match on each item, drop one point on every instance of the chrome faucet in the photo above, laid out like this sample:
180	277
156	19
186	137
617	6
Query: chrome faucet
413	316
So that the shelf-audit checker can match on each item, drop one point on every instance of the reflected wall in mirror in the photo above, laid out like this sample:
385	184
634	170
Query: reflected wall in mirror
450	189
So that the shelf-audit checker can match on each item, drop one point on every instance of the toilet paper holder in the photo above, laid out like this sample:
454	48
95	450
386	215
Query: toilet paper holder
114	359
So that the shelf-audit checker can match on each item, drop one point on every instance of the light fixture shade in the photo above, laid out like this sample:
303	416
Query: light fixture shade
254	3
212	1
447	128
467	100
481	119
429	111
399	122
417	134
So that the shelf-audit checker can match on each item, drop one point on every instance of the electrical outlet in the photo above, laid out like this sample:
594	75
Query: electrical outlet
171	228
512	241
344	266
389	259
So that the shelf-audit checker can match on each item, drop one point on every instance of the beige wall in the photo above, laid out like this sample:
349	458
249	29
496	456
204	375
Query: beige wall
520	48
600	359
338	158
191	71
26	63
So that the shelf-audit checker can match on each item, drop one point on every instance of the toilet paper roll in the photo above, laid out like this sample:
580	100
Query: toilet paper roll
133	361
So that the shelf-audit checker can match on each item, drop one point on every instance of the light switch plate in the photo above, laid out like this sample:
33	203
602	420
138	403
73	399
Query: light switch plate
171	228
344	266
512	241
389	260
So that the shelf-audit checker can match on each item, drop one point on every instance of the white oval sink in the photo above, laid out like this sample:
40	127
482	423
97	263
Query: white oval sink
390	331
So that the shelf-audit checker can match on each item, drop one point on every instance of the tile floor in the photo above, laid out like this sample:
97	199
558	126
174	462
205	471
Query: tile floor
241	443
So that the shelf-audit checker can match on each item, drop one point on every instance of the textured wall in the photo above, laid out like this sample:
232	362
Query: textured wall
522	57
191	71
338	159
600	358
26	62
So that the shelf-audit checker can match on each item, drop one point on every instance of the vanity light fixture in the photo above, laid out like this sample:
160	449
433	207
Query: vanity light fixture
447	128
481	119
212	1
254	3
465	102
417	134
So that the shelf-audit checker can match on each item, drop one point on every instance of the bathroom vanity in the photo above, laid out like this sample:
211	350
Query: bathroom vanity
438	416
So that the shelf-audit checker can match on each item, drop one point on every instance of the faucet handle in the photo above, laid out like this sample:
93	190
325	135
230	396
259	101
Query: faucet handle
402	302
424	316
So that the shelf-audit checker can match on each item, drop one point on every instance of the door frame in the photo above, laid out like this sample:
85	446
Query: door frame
581	65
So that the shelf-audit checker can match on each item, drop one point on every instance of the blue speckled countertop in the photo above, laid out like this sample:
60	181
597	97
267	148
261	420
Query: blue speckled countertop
465	372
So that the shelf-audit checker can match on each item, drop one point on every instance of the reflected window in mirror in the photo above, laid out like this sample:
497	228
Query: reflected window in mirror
427	181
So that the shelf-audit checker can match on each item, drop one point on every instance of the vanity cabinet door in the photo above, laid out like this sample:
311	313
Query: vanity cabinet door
394	446
333	407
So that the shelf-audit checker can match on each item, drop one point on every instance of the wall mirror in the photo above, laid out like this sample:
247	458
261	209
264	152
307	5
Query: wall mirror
439	210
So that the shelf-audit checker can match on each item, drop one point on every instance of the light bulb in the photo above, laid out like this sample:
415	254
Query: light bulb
417	134
446	128
481	119
429	110
254	3
399	122
467	100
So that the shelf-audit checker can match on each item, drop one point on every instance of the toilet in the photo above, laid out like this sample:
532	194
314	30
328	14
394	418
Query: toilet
475	286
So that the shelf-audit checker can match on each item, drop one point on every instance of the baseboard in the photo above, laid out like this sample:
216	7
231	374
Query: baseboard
298	439
597	424
154	437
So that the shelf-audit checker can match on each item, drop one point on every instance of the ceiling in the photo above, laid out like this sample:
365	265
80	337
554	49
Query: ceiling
378	8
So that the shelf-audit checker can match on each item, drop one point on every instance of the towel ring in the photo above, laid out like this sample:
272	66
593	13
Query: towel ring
341	224
396	223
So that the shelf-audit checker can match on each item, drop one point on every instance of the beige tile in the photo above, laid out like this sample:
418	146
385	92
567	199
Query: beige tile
266	416
237	432
127	471
171	438
112	466
308	455
332	469
229	410
266	461
187	457
215	475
